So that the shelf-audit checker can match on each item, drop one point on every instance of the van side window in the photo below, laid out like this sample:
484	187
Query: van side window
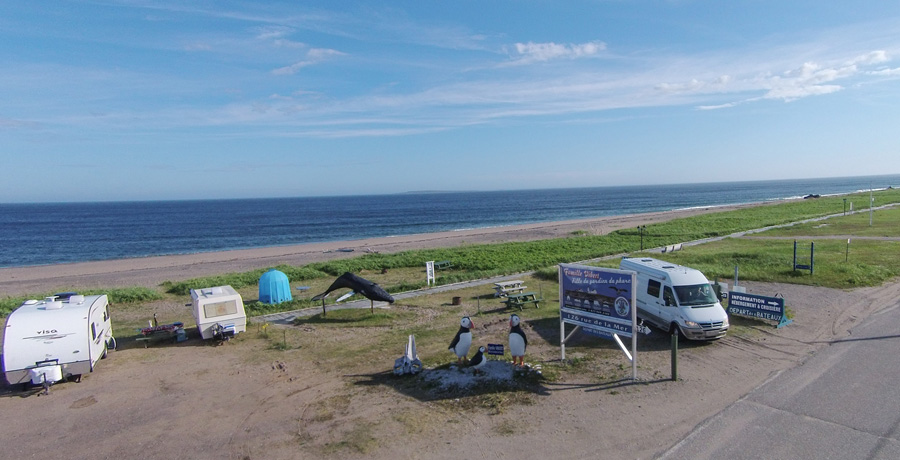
668	297
653	288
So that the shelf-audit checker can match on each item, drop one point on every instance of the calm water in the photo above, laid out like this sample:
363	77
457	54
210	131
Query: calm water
48	233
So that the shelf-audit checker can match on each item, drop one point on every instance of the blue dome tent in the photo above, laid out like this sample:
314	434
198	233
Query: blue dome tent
274	287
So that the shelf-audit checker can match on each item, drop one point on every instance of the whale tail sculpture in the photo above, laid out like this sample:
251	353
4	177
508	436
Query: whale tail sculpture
409	363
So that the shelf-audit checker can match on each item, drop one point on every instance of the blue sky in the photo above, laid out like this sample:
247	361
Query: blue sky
135	100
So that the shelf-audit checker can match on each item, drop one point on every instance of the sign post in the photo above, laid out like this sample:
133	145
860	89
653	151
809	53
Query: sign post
758	306
429	273
601	302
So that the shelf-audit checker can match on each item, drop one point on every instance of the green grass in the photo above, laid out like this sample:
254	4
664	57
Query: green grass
870	263
865	263
357	317
130	295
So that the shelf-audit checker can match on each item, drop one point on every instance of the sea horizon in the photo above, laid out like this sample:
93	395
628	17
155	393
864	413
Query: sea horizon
67	232
438	192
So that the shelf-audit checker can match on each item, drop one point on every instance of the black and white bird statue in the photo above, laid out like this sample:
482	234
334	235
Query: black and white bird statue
478	361
463	340
517	341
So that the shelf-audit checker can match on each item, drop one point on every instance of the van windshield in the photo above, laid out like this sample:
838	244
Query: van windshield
697	294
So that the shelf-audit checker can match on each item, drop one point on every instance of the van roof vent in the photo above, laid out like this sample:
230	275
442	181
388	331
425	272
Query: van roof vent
76	299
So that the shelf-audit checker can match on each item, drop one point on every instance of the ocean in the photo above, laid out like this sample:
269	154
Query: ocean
51	233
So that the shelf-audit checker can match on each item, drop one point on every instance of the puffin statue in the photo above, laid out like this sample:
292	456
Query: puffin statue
463	340
517	341
478	361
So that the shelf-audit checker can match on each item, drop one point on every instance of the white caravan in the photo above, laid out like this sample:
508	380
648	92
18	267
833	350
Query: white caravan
219	312
677	298
46	341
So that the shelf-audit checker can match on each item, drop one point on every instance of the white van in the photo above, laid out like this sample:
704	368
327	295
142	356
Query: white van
677	298
219	312
46	341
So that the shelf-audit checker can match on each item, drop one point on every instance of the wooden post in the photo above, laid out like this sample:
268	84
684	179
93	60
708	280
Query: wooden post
675	355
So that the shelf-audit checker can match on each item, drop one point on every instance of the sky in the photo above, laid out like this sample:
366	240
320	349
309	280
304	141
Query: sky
158	100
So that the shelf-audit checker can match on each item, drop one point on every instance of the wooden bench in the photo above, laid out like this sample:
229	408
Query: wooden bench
519	300
505	288
443	265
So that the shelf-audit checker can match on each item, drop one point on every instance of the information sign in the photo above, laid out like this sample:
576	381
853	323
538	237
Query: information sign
758	306
495	349
601	302
598	299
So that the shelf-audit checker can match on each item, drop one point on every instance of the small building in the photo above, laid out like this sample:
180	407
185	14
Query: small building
274	287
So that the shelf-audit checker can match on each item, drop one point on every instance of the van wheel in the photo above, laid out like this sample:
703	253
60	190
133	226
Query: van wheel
674	329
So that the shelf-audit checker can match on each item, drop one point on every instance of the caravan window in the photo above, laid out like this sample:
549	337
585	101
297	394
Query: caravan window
653	288
93	331
212	310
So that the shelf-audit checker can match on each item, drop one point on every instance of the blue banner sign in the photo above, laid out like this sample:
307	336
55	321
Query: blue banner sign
757	306
597	299
495	349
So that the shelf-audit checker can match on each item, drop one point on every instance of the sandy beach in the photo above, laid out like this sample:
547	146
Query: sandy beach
151	271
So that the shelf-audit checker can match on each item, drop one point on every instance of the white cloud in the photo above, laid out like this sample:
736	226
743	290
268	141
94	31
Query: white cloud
886	72
526	53
874	57
313	56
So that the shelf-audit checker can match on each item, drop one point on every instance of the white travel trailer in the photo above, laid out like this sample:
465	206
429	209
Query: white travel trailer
46	341
219	312
677	298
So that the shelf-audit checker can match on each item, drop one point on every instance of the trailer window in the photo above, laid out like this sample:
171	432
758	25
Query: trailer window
653	288
212	310
93	331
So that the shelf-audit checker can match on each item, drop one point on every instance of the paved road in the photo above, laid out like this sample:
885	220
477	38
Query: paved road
843	403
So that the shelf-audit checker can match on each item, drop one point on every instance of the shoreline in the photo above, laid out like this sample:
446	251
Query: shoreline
152	271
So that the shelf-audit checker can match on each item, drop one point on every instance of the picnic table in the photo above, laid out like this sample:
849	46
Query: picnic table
174	332
505	288
519	300
443	264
